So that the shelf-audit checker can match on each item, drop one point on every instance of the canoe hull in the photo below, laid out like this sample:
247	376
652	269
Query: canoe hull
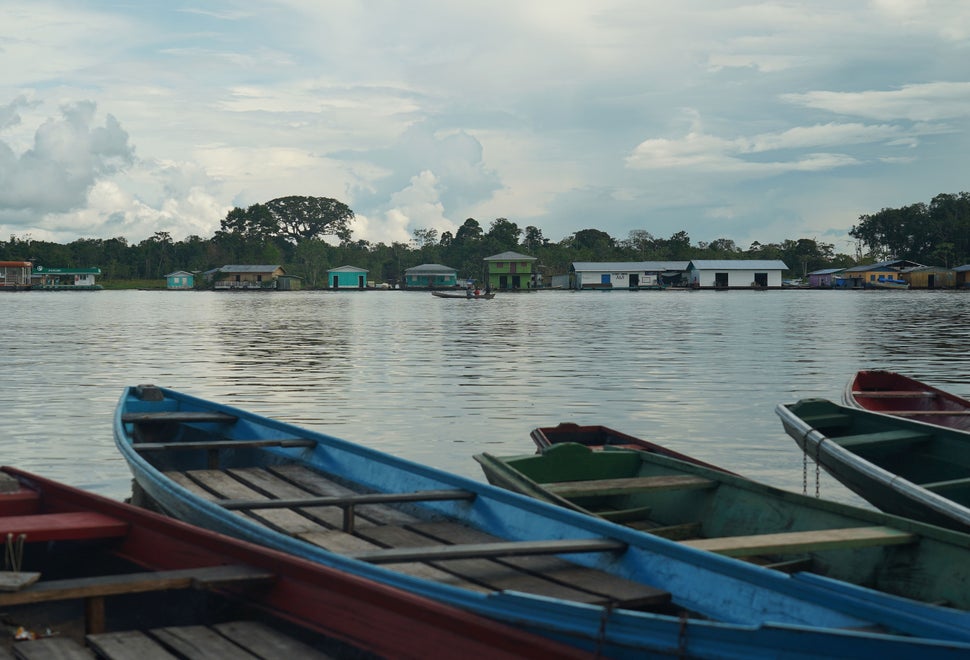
890	477
752	612
892	393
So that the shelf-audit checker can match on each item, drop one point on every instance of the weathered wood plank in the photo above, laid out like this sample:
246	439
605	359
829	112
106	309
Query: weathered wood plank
221	444
366	498
487	550
179	416
62	526
623	486
199	642
267	642
882	439
607	588
127	644
894	394
810	541
130	583
679	532
52	648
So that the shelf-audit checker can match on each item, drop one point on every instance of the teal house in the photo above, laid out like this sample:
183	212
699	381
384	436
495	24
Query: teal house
430	276
347	277
180	279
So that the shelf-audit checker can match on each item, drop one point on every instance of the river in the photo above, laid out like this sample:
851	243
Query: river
437	380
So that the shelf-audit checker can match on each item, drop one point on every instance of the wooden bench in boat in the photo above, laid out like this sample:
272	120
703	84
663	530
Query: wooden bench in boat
894	394
93	590
798	542
213	447
178	416
348	502
625	486
61	526
490	550
882	439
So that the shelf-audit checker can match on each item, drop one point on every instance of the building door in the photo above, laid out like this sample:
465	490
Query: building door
503	281
360	282
634	281
336	281
761	279
721	280
931	281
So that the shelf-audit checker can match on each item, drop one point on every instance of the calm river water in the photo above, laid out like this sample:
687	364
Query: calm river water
437	380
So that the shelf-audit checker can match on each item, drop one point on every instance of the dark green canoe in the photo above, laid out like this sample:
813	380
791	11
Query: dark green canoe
731	515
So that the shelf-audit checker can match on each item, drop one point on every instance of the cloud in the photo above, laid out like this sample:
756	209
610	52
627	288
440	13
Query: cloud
68	157
927	102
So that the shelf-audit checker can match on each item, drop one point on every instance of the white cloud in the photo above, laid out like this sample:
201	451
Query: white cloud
925	102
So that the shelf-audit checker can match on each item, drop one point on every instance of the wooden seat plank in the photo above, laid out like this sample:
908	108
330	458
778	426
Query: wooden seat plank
894	394
52	648
127	644
62	526
622	486
882	439
221	444
490	574
607	587
180	416
809	541
267	642
198	642
488	550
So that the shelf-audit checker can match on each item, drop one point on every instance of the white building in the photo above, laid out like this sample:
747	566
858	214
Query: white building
735	273
626	274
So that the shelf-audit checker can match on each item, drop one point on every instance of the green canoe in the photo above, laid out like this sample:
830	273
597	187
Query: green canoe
734	516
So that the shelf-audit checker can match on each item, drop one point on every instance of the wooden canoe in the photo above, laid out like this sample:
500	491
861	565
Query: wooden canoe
728	514
462	296
600	587
91	576
598	437
892	393
900	466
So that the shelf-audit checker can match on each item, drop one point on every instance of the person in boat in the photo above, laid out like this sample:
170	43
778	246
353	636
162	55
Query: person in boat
478	292
468	293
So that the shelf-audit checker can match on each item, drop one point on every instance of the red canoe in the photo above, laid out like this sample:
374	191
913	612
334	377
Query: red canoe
87	571
891	393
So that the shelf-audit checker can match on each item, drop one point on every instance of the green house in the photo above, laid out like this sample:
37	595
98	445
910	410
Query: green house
180	279
511	271
431	276
347	277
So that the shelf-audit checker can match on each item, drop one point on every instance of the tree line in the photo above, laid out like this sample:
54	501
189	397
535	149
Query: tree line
294	232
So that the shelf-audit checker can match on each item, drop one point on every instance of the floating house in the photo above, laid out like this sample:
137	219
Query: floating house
15	275
430	276
67	279
962	276
825	278
347	277
735	273
930	277
868	275
180	279
632	275
235	277
511	271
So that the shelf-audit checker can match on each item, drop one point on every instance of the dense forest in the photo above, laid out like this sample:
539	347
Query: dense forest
308	235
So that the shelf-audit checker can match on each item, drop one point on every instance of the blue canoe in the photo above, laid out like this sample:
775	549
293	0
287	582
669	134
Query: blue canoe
595	585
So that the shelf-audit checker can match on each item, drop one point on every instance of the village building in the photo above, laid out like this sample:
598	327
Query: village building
930	277
15	275
80	279
735	273
180	279
962	276
347	277
430	276
511	271
626	274
824	278
868	275
245	277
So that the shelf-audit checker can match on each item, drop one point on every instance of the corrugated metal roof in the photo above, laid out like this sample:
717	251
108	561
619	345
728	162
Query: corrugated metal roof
510	256
237	268
962	269
826	271
347	269
646	266
738	264
431	268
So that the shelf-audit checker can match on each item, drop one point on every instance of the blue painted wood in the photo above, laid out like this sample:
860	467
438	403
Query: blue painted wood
744	611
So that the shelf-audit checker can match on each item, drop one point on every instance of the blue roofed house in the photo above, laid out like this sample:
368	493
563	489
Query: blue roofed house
735	273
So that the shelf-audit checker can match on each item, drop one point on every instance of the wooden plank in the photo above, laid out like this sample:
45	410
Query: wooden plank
484	550
179	416
128	644
221	444
51	648
17	580
688	530
810	541
198	642
130	583
600	487
366	498
606	587
882	439
62	526
893	394
625	516
266	642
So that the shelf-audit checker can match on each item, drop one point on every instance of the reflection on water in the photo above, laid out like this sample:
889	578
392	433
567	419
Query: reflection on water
437	380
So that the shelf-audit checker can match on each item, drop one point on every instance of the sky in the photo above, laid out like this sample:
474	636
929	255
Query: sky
759	121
